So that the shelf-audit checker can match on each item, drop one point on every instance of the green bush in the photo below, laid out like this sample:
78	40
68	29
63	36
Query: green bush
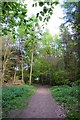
77	82
60	78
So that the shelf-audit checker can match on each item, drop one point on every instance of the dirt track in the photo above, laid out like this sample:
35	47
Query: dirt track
41	105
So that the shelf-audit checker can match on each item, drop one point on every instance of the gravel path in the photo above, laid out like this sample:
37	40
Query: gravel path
41	105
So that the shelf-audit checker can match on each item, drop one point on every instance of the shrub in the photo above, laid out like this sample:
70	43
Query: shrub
59	78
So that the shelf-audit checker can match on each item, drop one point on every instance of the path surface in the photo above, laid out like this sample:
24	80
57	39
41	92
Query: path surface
41	105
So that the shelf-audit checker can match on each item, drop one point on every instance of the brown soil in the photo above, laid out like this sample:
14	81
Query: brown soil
41	105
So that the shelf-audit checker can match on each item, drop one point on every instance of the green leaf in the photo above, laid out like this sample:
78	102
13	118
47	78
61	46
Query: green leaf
41	4
35	4
50	9
14	36
42	13
47	3
45	9
24	11
51	13
36	24
56	2
10	7
40	18
37	15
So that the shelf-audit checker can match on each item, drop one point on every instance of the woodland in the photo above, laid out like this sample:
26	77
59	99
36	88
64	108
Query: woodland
32	55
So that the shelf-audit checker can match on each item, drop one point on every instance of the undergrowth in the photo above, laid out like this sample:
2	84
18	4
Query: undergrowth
69	97
14	97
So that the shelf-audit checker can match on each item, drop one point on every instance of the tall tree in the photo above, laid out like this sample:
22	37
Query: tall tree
72	15
70	60
31	43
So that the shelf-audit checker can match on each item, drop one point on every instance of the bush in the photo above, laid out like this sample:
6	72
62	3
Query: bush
77	82
59	78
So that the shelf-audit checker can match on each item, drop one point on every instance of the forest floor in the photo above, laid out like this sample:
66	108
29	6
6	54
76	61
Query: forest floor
41	105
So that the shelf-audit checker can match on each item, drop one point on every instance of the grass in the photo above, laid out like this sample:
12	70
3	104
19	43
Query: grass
14	97
69	97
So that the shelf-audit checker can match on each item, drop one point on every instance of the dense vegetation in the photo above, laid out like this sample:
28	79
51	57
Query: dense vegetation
14	97
69	97
31	54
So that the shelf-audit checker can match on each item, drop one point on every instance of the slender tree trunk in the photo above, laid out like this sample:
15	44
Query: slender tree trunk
1	62
15	76
6	54
4	68
22	70
4	63
30	80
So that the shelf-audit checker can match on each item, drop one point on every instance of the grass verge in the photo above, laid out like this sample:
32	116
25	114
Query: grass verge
69	97
14	97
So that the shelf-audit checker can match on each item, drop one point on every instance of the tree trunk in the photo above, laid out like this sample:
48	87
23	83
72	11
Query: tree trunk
3	69
22	70
30	80
1	61
15	76
4	63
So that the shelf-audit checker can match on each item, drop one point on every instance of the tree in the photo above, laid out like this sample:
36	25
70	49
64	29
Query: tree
6	53
31	43
72	15
27	36
69	53
49	59
13	14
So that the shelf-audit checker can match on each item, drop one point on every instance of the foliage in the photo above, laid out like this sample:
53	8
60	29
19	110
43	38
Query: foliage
13	13
14	97
46	10
60	78
29	52
69	53
72	15
69	97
